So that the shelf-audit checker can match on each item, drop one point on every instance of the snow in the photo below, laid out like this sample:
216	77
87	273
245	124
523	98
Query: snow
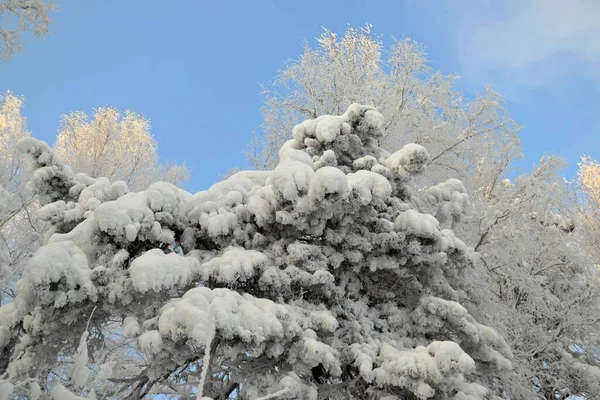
328	181
6	389
235	264
51	178
422	368
376	184
99	191
35	391
80	372
437	312
291	178
283	279
59	392
451	198
327	159
412	159
106	371
154	270
61	211
417	224
369	121
274	395
315	353
239	317
374	120
135	211
210	336
329	127
306	129
329	259
366	162
151	342
131	326
58	262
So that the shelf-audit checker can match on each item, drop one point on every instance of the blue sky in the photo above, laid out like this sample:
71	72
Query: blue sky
194	67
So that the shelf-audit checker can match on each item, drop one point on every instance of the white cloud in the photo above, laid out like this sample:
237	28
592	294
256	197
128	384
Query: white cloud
531	42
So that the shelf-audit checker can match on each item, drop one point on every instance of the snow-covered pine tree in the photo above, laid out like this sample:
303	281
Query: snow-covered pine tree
321	279
535	284
119	148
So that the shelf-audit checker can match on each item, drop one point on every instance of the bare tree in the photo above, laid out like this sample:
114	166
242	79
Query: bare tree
588	197
18	17
115	146
469	140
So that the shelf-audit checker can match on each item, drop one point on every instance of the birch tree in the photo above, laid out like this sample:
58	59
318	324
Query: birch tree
470	140
544	292
20	229
588	179
114	145
19	18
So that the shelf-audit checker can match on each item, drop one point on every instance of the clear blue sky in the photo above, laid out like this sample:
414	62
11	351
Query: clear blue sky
194	67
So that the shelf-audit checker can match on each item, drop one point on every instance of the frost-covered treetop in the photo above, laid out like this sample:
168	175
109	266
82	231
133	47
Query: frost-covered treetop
323	278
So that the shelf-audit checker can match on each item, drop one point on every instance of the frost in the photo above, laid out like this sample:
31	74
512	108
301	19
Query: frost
80	371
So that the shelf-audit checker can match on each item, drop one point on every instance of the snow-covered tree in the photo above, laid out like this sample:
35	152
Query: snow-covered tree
544	295
18	17
114	146
474	141
588	179
20	230
470	140
324	278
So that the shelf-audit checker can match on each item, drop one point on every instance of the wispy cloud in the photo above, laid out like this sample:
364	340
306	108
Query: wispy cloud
531	42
